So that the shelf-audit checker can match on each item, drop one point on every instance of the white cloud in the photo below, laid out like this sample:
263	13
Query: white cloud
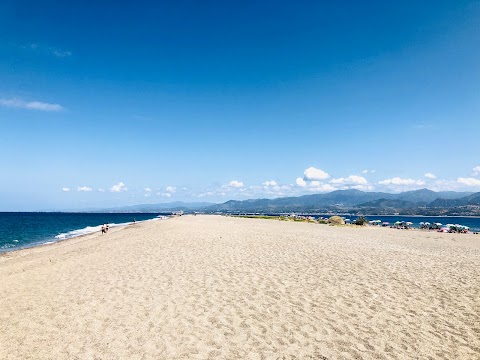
167	195
65	189
476	170
362	187
48	50
60	53
84	188
119	187
469	181
147	189
300	182
430	176
352	179
101	190
365	172
399	181
235	184
31	105
208	193
315	174
270	183
171	189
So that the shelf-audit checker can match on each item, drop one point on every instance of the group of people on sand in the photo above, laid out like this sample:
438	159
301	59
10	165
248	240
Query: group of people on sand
104	228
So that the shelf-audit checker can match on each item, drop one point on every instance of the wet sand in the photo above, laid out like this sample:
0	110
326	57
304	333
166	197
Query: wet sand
206	287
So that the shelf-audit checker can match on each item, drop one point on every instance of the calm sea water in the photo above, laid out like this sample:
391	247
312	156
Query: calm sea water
471	222
20	230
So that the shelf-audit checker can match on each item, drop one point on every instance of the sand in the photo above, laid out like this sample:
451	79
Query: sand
206	287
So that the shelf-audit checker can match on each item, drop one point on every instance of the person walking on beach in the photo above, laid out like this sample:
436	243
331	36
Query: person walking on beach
103	229
106	228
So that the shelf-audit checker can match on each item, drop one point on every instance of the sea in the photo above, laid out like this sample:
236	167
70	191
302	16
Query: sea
472	222
20	230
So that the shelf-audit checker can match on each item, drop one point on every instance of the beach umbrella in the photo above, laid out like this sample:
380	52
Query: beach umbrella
408	223
438	224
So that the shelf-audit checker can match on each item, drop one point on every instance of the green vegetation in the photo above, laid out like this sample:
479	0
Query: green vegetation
361	221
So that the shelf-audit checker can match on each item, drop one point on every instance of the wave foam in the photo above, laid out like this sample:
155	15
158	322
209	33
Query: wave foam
92	229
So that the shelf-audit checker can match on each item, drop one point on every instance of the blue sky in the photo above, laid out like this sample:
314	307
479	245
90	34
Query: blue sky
114	104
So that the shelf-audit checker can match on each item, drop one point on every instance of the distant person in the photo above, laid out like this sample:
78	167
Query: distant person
134	220
103	229
106	228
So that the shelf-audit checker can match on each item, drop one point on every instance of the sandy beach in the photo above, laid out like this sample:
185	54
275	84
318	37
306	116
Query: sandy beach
206	287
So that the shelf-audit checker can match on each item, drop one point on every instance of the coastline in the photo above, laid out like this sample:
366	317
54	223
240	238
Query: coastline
29	230
52	245
198	287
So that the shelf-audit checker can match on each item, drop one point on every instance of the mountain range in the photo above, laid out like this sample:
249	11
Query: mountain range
417	202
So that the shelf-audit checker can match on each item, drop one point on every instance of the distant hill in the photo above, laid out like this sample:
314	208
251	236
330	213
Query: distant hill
388	204
346	200
417	202
473	199
339	198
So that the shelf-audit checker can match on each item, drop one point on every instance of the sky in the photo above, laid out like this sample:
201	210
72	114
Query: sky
110	103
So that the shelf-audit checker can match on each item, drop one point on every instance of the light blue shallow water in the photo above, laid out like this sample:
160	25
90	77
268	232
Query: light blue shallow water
20	230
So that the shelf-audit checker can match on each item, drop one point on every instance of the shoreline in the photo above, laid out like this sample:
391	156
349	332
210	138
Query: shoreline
72	234
96	233
71	240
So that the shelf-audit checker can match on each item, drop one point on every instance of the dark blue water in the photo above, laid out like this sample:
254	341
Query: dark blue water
472	222
20	230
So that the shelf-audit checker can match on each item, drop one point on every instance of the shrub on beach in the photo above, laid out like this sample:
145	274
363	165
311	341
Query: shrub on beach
360	221
336	220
